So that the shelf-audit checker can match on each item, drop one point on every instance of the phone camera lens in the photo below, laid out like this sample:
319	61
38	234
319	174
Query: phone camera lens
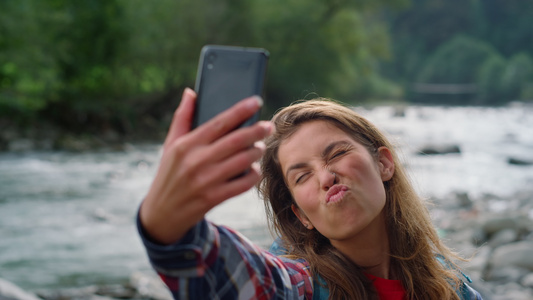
211	57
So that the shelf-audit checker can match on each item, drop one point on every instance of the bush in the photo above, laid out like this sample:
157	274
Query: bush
457	61
518	74
489	81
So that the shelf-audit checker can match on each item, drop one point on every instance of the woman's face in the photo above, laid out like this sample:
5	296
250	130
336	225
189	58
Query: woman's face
340	207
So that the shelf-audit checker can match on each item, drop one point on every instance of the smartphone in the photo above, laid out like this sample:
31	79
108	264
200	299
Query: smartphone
225	76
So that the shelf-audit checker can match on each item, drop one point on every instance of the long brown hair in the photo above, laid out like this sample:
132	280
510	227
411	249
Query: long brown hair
414	242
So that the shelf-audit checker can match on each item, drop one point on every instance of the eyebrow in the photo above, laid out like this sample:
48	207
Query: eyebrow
324	154
295	167
332	146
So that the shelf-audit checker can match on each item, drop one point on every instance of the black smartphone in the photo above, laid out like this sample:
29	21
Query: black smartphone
225	76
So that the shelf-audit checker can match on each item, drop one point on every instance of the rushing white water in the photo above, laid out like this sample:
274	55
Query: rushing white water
69	219
487	137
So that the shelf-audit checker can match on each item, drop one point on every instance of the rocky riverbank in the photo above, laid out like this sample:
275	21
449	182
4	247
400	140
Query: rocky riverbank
140	286
495	234
47	137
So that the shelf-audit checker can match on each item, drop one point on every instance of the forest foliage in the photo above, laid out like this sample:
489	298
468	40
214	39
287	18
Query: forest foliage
123	63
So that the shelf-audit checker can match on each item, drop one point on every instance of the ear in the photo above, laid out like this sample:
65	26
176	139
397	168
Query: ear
302	217
386	163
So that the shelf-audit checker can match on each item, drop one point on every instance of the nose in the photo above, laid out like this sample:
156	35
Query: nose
327	179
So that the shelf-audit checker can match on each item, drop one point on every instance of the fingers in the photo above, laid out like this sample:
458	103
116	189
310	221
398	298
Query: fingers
218	179
237	164
199	168
238	140
183	116
236	186
229	119
226	157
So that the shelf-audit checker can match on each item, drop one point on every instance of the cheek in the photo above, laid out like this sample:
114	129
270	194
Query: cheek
368	179
377	188
305	198
378	193
366	170
382	197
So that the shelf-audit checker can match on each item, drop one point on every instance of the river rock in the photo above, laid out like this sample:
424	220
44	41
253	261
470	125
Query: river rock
519	161
515	254
74	144
511	291
437	149
480	260
507	274
93	292
150	286
9	291
527	280
502	237
399	111
463	200
494	223
117	291
21	145
479	236
80	293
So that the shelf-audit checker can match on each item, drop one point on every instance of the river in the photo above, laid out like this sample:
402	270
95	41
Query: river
67	219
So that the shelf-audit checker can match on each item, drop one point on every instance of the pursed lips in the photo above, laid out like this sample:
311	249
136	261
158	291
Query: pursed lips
335	193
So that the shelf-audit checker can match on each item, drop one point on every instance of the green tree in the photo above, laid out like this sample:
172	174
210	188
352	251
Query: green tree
516	76
509	25
91	43
426	26
489	81
163	47
101	64
457	61
29	70
327	48
423	27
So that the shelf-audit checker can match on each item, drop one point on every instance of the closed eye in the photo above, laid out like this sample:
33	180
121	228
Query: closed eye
339	153
301	178
335	150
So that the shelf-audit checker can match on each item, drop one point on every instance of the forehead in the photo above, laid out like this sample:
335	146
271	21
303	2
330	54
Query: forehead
309	140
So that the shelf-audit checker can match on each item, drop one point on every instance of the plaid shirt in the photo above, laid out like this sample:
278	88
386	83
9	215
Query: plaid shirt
216	262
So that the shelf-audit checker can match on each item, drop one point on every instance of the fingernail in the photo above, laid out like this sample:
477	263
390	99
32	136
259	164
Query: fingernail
257	102
267	127
260	145
188	90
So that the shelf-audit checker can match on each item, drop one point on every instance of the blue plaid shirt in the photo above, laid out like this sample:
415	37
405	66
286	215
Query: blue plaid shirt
216	262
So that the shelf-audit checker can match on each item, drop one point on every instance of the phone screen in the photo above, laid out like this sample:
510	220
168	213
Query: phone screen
225	76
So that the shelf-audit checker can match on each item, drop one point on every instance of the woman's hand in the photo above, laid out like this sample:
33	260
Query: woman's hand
199	168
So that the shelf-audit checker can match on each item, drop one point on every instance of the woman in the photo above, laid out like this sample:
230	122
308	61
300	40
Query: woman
350	225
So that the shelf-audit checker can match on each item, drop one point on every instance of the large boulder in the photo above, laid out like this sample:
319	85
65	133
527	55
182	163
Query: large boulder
9	291
515	254
492	224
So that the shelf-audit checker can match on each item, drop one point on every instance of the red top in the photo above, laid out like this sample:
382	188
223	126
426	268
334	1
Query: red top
388	289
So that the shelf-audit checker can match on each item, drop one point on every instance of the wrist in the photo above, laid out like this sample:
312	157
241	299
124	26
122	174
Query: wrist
157	228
